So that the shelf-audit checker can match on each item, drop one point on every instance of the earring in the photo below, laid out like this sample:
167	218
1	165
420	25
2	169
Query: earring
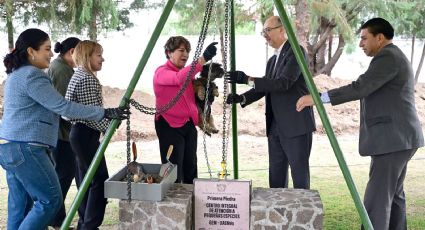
32	57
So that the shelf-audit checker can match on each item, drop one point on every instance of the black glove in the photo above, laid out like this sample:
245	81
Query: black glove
238	77
234	98
119	113
210	51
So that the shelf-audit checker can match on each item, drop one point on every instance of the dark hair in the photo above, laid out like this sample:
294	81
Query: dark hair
174	43
379	26
18	57
66	45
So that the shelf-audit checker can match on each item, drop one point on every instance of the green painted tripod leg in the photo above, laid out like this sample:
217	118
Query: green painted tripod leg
114	124
323	116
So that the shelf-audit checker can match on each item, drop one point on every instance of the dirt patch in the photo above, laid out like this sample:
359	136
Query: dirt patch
251	121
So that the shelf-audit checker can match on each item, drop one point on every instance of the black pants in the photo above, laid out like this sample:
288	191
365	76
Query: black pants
285	152
384	198
65	167
84	142
185	141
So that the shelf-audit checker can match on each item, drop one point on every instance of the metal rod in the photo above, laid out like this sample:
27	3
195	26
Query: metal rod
323	116
114	124
234	110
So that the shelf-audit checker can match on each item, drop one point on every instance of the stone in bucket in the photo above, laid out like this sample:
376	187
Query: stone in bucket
167	167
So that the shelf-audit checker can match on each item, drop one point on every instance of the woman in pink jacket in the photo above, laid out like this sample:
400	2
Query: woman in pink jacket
176	126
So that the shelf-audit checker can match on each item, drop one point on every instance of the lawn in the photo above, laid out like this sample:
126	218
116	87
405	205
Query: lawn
326	177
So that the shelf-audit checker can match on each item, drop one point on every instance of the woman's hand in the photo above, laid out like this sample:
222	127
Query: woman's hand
210	51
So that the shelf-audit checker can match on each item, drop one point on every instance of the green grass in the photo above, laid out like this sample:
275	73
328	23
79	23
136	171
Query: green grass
326	177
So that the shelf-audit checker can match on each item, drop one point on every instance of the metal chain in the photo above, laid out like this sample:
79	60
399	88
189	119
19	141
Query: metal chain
128	160
204	119
225	133
207	92
142	108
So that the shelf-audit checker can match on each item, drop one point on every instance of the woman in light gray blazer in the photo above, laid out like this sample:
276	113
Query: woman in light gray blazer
29	130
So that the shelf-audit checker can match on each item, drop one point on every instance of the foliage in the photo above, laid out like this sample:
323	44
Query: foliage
189	22
76	16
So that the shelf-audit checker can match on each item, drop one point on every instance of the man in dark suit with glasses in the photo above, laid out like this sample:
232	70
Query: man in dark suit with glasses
289	133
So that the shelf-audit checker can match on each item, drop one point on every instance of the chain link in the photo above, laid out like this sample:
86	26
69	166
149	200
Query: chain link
225	132
128	160
204	118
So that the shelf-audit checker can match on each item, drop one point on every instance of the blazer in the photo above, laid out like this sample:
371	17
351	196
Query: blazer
60	73
32	105
282	86
84	88
388	117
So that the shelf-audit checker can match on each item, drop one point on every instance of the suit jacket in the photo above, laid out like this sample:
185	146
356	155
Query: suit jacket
282	86
388	117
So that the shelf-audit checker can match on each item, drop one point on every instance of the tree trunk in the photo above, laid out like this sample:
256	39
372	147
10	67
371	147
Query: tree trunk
93	24
327	69
330	47
302	21
320	59
9	23
220	31
319	50
413	49
418	70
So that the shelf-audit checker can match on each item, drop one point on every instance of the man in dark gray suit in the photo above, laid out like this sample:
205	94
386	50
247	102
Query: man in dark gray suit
289	132
390	131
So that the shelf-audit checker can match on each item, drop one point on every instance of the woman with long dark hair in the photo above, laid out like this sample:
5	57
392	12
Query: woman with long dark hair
29	130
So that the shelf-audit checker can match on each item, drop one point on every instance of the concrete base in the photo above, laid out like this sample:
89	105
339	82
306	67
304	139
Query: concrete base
271	208
173	212
277	208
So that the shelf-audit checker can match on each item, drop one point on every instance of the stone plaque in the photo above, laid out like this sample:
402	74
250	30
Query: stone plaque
222	204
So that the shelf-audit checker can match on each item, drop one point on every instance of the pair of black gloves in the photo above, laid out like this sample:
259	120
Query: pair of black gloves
237	77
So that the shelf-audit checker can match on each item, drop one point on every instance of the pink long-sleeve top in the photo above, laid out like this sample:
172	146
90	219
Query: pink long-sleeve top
167	81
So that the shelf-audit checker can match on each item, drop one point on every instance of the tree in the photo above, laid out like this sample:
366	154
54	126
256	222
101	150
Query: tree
317	22
334	17
67	16
9	22
407	17
190	21
15	11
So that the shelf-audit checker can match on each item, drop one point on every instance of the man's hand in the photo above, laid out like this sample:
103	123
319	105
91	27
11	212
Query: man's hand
238	77
119	113
304	101
234	98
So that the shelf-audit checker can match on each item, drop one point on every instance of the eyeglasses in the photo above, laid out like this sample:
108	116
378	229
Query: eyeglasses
267	30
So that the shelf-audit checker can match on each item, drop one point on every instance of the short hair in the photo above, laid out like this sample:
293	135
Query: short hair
174	43
18	57
379	26
279	21
83	52
66	45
